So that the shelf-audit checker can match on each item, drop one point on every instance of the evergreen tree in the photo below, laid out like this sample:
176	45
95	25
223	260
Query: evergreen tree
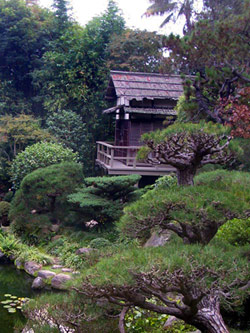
61	15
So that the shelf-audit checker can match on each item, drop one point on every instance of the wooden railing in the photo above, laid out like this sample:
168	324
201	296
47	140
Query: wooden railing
107	154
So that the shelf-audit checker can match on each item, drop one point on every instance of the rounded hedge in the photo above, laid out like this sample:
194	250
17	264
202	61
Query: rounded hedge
235	232
39	155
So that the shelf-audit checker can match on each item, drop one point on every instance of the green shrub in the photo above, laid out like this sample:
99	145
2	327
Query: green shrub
99	243
11	246
166	181
103	198
235	232
42	199
69	129
4	208
39	155
8	196
140	321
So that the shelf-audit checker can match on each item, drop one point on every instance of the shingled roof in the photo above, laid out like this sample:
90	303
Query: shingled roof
137	86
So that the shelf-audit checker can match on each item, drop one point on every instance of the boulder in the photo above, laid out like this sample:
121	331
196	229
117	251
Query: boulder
56	237
57	266
54	227
84	250
28	330
32	267
45	274
158	239
58	281
67	270
38	283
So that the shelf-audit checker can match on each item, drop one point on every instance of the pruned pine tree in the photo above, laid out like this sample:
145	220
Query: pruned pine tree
193	213
187	147
189	282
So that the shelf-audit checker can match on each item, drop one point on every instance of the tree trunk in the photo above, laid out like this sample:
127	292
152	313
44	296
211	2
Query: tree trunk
208	318
186	176
210	322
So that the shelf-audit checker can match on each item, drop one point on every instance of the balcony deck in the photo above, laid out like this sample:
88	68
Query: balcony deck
121	160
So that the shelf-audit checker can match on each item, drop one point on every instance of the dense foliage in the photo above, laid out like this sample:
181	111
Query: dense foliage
217	54
235	232
201	278
136	51
194	214
53	74
39	155
102	198
68	128
42	199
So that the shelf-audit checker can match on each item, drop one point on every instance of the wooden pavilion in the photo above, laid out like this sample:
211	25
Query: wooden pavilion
142	101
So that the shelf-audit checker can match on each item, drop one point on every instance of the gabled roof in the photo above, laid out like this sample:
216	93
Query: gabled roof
137	86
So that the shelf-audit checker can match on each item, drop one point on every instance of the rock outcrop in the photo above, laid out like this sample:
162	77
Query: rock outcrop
38	283
58	281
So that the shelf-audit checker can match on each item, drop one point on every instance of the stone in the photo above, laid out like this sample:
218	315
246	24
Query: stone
38	283
56	237
158	239
84	250
32	267
45	274
57	266
69	270
54	227
27	330
170	322
59	280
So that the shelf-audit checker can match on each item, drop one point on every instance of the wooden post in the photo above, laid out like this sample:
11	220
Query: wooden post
102	159
98	151
112	158
134	161
127	155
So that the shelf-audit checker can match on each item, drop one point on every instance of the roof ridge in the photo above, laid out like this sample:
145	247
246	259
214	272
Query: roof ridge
143	73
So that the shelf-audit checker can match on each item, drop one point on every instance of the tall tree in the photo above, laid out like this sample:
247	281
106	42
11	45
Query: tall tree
218	55
221	9
74	72
136	51
24	37
174	9
61	15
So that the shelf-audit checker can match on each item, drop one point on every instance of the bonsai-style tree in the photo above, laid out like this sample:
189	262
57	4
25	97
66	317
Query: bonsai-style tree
187	147
187	281
193	213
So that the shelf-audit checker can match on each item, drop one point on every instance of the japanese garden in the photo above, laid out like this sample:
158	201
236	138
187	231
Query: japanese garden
125	169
